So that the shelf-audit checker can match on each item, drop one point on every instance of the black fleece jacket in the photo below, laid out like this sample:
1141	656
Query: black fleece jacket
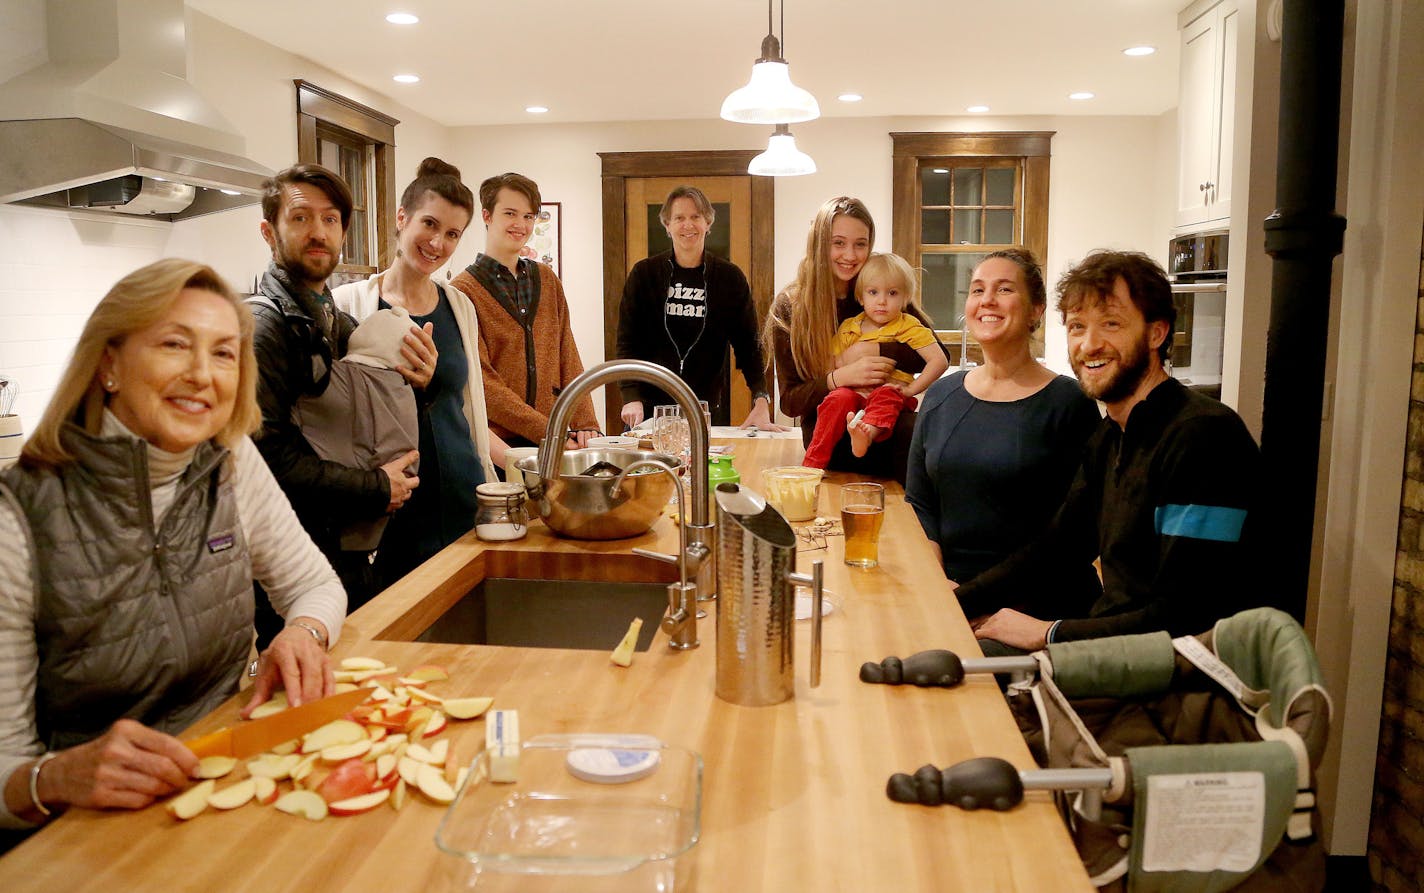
731	320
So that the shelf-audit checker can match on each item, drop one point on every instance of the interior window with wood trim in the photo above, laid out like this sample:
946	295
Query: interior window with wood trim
357	142
958	197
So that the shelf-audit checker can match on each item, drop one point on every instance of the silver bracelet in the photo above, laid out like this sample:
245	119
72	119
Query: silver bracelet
35	781
316	633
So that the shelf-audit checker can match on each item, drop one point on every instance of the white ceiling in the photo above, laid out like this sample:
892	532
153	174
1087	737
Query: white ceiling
483	62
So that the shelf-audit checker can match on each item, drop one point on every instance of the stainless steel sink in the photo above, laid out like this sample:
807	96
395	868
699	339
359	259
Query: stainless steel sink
550	614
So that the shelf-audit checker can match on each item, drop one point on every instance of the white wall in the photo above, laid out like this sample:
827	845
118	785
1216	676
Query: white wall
54	265
1110	187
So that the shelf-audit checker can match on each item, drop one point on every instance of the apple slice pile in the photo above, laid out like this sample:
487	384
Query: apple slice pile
382	749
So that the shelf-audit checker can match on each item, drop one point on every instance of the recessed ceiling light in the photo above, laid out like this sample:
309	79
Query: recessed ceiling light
406	79
940	170
1081	94
1139	51
850	97
229	192
977	108
536	109
402	18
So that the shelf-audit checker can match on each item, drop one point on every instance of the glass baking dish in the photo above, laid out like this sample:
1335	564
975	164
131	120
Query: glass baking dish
554	830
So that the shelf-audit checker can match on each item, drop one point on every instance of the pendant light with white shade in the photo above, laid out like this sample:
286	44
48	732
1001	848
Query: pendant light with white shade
771	98
782	158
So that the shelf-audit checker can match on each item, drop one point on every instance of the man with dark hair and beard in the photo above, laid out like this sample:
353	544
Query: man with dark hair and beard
299	334
1164	493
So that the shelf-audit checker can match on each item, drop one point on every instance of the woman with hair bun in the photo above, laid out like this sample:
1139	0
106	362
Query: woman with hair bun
457	450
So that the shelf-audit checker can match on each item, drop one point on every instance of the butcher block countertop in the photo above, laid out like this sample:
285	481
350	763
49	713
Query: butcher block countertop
793	795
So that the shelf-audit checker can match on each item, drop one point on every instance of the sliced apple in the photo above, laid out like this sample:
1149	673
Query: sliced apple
273	766
343	687
432	784
276	704
419	716
435	725
398	794
376	733
303	767
461	776
360	676
215	767
420	694
429	672
623	654
380	693
440	751
409	770
420	753
235	795
307	804
385	767
351	779
338	731
466	708
361	663
264	790
286	747
192	801
412	682
363	803
340	753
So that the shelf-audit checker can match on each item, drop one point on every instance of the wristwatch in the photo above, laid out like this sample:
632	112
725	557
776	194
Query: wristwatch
316	633
760	395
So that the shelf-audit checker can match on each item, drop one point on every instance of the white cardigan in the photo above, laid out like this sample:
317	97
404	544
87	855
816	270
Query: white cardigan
361	299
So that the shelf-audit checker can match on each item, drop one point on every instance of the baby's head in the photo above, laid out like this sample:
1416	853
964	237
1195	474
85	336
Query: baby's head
885	287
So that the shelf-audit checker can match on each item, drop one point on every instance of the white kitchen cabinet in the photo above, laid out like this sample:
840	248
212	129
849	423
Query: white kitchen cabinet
1205	111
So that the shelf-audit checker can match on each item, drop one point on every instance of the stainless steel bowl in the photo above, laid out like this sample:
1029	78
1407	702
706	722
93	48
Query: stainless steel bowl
581	504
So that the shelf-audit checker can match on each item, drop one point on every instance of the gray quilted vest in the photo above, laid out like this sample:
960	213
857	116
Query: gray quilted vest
151	625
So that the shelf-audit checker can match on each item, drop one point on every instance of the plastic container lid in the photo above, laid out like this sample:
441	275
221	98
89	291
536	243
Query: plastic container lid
612	765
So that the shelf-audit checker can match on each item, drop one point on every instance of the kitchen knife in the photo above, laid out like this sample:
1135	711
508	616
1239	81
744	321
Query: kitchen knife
260	735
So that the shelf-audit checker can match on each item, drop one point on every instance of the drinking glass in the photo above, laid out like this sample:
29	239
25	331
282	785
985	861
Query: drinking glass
862	514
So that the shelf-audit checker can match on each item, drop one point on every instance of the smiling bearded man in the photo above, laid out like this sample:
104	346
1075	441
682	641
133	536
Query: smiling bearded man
1165	496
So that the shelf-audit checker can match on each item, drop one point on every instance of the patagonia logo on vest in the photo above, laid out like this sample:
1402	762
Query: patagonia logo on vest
221	543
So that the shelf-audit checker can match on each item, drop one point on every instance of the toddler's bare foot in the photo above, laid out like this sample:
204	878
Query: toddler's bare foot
861	434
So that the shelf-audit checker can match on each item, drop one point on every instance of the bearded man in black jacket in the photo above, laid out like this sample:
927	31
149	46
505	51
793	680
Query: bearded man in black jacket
299	334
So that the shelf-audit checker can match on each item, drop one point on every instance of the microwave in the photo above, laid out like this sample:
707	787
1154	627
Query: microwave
1201	256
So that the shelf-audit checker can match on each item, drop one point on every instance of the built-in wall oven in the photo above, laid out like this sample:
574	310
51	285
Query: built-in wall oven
1197	268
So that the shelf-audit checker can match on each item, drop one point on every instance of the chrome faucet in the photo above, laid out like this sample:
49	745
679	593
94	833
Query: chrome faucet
695	570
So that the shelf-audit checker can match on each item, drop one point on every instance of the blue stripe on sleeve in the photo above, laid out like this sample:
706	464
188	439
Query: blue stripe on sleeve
1202	522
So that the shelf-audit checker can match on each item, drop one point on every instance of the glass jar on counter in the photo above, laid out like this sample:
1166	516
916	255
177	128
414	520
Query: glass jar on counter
501	515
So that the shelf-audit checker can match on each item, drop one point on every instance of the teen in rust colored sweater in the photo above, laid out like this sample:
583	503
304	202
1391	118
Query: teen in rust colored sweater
527	350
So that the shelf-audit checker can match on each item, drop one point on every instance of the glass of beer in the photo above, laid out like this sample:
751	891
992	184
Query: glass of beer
862	513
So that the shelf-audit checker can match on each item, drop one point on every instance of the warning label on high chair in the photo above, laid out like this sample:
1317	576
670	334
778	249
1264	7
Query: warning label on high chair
1204	822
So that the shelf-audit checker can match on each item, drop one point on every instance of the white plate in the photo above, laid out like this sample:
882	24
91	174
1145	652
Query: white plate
614	441
803	604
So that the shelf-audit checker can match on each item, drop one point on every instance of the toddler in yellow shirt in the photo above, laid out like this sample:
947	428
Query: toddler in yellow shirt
885	287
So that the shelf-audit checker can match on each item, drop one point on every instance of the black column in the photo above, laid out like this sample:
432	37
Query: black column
1303	236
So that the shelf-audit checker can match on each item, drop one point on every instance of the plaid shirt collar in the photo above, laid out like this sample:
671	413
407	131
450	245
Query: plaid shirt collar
516	290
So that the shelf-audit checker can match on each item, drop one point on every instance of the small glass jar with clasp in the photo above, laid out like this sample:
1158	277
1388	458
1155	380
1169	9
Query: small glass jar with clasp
501	515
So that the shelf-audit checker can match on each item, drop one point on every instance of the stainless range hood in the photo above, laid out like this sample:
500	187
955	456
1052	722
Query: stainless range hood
107	119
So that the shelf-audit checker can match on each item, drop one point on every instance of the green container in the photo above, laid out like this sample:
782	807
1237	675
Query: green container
720	471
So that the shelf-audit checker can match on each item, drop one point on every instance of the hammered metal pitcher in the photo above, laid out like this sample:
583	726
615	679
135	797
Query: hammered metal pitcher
756	601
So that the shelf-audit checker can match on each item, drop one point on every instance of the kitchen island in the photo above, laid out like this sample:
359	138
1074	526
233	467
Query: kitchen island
793	795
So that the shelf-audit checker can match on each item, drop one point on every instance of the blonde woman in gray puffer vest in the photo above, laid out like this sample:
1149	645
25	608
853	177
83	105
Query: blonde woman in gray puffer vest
135	522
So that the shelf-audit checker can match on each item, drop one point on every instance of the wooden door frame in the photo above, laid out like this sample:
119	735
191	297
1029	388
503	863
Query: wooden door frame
618	167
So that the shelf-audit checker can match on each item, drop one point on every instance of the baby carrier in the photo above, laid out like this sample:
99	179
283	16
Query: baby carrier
1178	764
